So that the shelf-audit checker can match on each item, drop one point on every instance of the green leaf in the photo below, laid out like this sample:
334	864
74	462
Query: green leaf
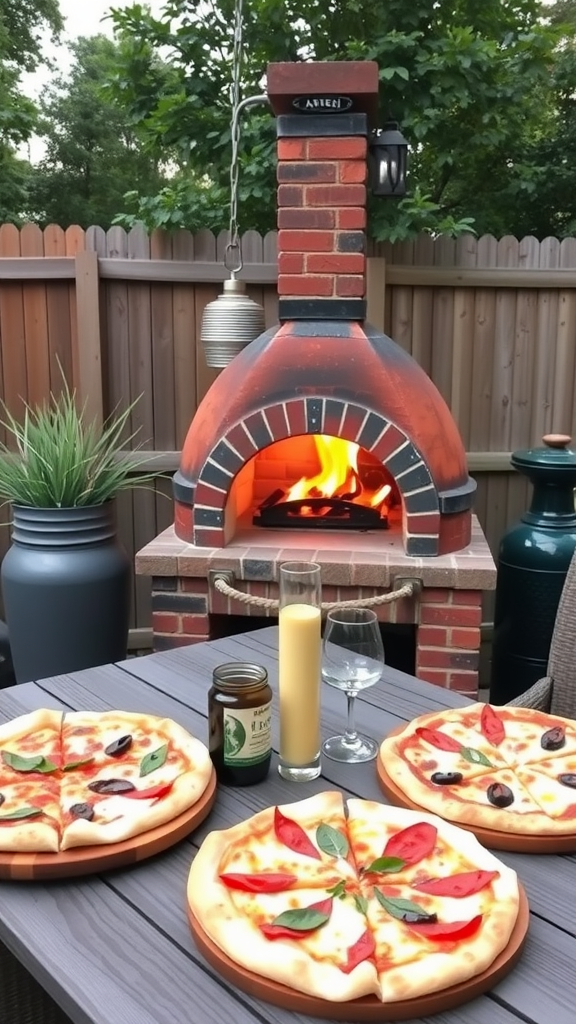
302	919
22	812
28	764
475	756
77	764
338	890
385	864
361	904
331	841
398	907
155	759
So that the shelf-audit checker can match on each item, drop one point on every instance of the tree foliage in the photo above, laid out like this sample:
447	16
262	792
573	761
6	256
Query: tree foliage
93	156
22	24
470	83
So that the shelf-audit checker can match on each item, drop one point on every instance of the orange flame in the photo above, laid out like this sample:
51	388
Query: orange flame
338	476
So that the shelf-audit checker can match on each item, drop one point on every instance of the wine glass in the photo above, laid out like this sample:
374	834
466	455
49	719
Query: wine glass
352	660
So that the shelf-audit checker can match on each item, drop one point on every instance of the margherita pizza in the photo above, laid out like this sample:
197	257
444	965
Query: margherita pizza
506	768
90	778
340	904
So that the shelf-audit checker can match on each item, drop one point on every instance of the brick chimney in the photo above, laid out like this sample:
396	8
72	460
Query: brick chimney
324	112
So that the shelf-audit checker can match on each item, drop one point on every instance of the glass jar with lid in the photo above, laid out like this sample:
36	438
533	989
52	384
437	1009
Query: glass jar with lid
240	719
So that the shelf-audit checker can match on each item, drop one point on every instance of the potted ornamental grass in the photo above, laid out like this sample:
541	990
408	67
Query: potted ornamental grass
66	578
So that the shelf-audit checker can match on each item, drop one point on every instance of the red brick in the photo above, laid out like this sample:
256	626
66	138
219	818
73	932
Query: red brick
325	174
184	522
193	585
464	682
291	263
292	149
306	241
444	657
429	524
353	419
455	532
194	624
276	420
241	442
303	284
295	217
332	263
433	636
351	218
466	638
390	440
293	195
449	616
467	597
338	149
353	172
436	676
330	195
296	412
350	286
166	622
436	595
204	537
211	497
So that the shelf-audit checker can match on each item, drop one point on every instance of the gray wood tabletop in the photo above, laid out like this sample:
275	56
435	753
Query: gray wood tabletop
116	948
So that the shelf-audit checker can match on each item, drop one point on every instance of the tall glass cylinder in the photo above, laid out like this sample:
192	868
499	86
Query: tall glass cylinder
300	658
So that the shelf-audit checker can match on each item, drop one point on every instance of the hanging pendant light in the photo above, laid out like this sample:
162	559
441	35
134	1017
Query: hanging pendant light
233	320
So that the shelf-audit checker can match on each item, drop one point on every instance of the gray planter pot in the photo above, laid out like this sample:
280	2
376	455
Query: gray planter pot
66	585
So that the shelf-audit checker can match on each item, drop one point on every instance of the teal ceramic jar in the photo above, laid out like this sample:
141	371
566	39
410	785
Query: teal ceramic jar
533	561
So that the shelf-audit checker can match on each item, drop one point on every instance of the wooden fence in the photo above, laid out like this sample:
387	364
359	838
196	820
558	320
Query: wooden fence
492	321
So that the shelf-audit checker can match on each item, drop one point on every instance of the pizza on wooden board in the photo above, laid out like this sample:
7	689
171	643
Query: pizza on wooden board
506	768
92	778
342	902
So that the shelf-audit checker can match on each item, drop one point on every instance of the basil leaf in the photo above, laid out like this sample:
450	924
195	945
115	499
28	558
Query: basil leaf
339	889
331	841
77	764
38	763
303	919
475	757
22	812
361	904
398	907
155	759
382	864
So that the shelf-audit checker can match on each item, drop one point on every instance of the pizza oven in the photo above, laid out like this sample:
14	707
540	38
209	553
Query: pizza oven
323	422
323	438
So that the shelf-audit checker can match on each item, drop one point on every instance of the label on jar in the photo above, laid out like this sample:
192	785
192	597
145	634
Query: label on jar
247	735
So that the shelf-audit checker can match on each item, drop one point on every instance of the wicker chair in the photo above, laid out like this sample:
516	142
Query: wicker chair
22	999
556	692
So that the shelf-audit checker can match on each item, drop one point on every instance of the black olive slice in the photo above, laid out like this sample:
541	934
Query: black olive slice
411	917
500	795
446	778
119	746
85	811
2	799
568	779
554	738
111	786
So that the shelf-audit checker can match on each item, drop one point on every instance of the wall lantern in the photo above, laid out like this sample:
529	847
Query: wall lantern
387	160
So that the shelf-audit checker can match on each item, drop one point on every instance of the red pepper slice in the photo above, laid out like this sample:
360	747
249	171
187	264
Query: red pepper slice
265	882
412	844
361	950
149	794
293	835
491	725
439	739
279	931
464	884
449	930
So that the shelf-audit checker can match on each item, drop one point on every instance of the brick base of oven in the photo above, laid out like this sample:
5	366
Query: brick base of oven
447	621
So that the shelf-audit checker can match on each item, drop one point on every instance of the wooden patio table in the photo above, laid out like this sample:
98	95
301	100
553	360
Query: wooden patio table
116	948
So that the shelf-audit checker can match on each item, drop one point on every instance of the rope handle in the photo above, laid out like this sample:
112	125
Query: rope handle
408	589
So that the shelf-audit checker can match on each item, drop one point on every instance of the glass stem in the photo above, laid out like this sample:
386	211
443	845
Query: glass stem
350	736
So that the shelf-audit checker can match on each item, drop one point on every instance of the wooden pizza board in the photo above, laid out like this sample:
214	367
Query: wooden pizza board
369	1007
88	860
494	839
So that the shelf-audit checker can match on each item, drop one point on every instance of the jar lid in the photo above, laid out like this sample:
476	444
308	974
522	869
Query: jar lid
555	454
